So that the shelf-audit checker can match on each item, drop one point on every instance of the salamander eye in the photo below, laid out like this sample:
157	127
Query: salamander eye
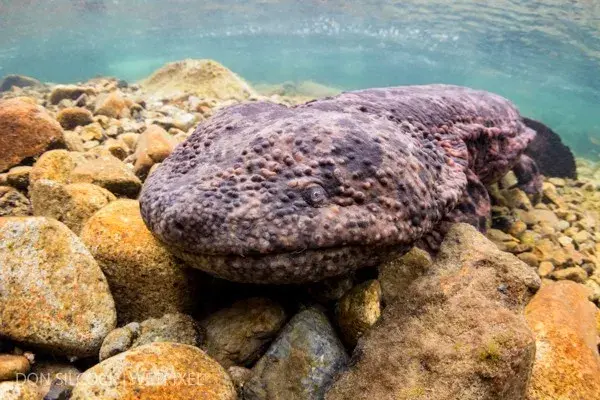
315	196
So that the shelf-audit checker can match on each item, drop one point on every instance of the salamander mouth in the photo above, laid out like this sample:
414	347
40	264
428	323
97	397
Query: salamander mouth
305	266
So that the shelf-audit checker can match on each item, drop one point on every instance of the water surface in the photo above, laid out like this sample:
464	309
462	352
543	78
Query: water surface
544	55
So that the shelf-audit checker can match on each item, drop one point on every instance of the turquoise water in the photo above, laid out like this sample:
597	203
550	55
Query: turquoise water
544	55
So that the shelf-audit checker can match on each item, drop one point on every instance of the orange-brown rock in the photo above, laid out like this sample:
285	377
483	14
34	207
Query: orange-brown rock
113	105
72	117
153	146
146	280
156	371
26	130
567	364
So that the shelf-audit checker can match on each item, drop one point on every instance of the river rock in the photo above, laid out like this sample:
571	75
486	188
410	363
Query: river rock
71	204
13	203
456	332
13	390
576	274
238	335
202	78
301	363
567	364
27	131
19	81
73	141
54	379
358	310
239	376
159	370
18	177
146	280
153	146
113	105
71	117
398	273
539	217
13	365
98	168
53	294
175	328
107	171
70	92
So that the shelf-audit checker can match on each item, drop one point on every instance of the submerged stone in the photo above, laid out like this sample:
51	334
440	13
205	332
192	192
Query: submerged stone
301	363
53	295
456	332
159	370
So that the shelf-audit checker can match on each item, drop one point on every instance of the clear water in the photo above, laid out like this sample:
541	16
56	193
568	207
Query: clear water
544	55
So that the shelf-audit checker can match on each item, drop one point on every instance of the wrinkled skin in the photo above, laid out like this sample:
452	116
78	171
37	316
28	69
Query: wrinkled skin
267	194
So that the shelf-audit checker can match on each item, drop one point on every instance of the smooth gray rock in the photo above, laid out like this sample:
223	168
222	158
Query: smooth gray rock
301	363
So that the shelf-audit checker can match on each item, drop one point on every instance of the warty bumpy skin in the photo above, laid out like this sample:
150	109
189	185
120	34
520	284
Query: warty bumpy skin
263	193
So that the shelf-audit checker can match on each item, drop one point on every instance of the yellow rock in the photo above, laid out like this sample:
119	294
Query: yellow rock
96	167
203	78
71	204
156	371
12	365
146	280
358	310
19	391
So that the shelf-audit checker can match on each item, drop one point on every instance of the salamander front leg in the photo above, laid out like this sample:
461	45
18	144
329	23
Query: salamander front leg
529	178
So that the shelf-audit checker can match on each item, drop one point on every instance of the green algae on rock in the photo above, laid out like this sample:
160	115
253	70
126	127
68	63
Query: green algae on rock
53	294
358	310
456	332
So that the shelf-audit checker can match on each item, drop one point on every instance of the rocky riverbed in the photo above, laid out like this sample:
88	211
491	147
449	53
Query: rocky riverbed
92	306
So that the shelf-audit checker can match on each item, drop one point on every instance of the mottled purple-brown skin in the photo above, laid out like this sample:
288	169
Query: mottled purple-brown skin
263	193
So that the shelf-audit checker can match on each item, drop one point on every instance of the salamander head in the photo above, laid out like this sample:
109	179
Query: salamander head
261	193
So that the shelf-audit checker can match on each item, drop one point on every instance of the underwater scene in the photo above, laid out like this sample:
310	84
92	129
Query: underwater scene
299	200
